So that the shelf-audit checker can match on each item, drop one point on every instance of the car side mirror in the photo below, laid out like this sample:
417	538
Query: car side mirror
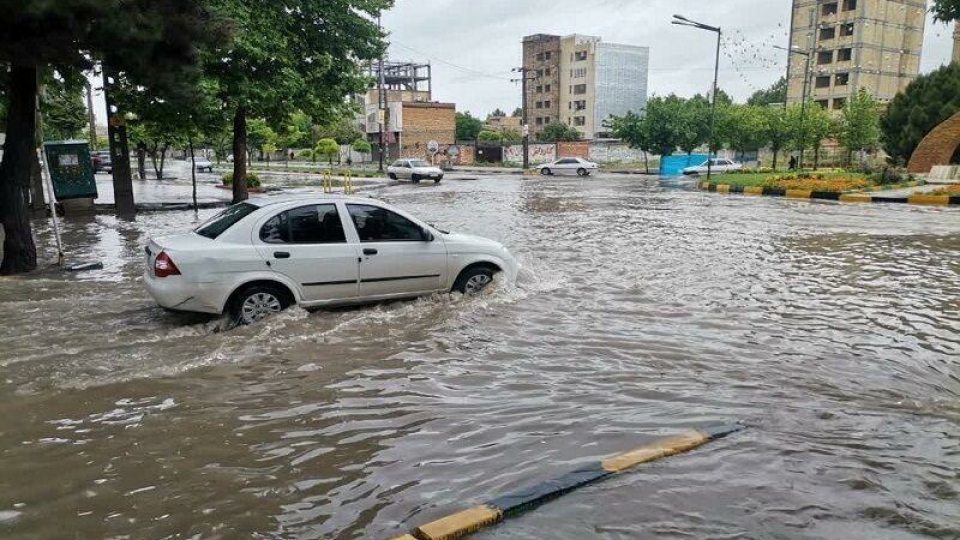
426	235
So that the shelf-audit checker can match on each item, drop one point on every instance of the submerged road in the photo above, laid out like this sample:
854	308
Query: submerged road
644	309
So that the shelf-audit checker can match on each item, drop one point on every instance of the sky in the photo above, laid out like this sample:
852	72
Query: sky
473	44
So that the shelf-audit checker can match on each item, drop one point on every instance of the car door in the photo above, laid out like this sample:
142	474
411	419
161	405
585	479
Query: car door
398	256
308	245
568	166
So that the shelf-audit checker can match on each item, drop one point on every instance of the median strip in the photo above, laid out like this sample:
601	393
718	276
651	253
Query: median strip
496	510
855	197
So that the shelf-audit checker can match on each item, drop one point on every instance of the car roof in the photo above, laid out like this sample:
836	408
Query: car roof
274	200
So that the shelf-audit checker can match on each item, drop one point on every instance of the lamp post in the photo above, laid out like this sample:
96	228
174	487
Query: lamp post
526	126
803	97
680	20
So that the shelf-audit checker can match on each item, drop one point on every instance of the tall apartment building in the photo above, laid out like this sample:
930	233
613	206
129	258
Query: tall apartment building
582	81
854	44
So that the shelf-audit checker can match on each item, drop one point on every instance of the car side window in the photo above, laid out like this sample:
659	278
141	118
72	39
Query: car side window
314	224
398	164
567	161
375	224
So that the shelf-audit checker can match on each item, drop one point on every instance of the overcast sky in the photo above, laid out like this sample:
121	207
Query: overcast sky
473	44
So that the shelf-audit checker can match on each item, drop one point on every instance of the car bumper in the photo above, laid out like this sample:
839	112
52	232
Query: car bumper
178	294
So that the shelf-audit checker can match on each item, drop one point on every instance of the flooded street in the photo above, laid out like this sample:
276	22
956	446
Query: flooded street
832	331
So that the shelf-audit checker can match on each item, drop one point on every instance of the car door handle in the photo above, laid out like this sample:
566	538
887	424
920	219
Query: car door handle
281	254
370	251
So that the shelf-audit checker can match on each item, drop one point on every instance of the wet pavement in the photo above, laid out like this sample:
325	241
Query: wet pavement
644	308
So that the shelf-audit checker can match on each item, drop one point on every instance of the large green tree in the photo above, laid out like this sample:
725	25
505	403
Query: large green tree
778	130
153	43
468	126
808	127
745	128
859	127
776	93
557	132
664	117
929	101
306	56
635	130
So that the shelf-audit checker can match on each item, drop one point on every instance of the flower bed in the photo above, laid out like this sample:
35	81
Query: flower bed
947	190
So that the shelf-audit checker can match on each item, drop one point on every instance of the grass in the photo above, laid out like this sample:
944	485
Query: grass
832	181
947	190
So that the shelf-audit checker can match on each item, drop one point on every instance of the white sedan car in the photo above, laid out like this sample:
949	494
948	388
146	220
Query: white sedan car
579	166
719	166
202	164
259	257
414	170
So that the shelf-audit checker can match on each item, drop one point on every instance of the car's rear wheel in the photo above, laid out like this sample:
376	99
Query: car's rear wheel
415	179
473	280
581	172
546	171
257	302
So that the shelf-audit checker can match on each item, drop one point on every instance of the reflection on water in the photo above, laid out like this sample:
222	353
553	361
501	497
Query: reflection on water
641	310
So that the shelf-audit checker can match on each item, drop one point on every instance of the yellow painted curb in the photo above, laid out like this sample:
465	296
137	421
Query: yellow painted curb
929	199
798	193
705	186
723	188
531	172
654	451
460	524
856	198
405	537
753	190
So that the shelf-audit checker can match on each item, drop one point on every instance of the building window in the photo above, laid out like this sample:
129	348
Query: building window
579	120
546	104
580	56
540	89
539	73
829	9
547	55
828	33
539	121
580	89
823	103
539	105
824	57
839	103
580	105
539	57
849	5
844	55
846	30
823	81
546	72
547	88
841	79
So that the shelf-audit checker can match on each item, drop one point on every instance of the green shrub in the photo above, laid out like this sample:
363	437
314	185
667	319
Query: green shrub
253	180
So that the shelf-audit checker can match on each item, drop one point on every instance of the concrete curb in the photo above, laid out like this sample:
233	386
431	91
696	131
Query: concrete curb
496	510
864	197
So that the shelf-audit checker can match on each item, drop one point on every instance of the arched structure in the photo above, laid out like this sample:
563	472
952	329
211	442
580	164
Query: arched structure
937	148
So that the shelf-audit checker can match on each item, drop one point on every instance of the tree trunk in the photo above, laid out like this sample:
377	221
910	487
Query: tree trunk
240	156
646	161
193	173
142	160
38	200
19	250
119	153
816	158
163	160
775	152
154	160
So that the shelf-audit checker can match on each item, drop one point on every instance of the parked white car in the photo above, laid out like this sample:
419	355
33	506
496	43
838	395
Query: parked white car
578	166
202	164
259	257
719	166
414	170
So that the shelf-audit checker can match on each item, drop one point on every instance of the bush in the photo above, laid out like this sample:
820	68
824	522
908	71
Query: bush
253	180
305	154
890	176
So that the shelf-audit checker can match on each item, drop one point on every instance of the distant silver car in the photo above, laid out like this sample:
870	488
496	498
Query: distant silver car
203	164
719	166
414	170
579	166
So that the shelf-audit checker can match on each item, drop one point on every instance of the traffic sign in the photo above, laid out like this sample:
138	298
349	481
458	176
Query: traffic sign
433	147
453	151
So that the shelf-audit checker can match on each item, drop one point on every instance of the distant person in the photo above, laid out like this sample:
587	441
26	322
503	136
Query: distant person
793	163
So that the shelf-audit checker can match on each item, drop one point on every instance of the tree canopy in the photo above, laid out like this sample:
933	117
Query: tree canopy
557	132
946	10
859	127
468	126
926	103
776	93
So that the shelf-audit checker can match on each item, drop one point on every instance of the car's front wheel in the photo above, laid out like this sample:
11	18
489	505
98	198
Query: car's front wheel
582	172
257	302
546	171
473	280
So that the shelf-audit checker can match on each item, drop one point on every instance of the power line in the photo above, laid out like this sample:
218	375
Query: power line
451	64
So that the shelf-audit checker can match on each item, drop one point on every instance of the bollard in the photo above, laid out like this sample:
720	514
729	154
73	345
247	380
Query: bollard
327	182
348	182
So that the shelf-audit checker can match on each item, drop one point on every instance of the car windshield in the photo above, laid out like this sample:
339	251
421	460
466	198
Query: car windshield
418	163
226	219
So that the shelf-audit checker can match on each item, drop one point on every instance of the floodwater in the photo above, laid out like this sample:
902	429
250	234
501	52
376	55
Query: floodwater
832	331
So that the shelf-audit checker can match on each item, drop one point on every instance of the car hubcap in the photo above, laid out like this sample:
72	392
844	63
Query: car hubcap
477	283
259	306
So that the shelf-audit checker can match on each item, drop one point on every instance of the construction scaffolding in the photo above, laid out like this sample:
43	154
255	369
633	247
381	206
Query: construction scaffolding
405	77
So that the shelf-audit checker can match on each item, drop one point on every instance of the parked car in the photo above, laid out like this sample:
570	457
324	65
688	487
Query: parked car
259	257
719	166
101	160
579	166
414	170
203	164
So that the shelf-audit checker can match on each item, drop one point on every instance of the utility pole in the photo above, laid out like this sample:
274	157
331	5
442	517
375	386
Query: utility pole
91	117
381	98
119	151
526	121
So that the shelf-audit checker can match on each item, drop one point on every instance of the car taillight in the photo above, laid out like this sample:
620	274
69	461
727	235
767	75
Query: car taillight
163	266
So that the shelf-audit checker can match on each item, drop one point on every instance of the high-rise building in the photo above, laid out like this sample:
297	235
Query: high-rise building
582	81
854	44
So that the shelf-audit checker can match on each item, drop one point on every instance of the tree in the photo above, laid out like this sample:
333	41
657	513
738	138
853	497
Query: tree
517	113
663	121
558	131
64	114
634	129
946	10
511	136
859	127
814	122
327	148
692	122
778	130
745	128
497	113
490	136
468	126
307	58
925	104
775	94
151	42
259	134
344	129
361	146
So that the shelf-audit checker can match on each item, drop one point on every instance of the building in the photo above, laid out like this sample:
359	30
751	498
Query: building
854	44
582	81
411	118
504	123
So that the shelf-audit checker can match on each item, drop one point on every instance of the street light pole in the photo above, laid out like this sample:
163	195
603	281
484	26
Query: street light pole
803	99
680	20
381	99
526	126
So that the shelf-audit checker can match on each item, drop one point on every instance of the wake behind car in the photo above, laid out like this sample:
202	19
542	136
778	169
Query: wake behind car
414	170
578	166
259	257
718	166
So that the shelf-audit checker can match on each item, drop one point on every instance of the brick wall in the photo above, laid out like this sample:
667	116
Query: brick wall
937	148
425	122
579	149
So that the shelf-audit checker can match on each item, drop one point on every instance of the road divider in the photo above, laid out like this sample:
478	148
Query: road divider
496	510
875	197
